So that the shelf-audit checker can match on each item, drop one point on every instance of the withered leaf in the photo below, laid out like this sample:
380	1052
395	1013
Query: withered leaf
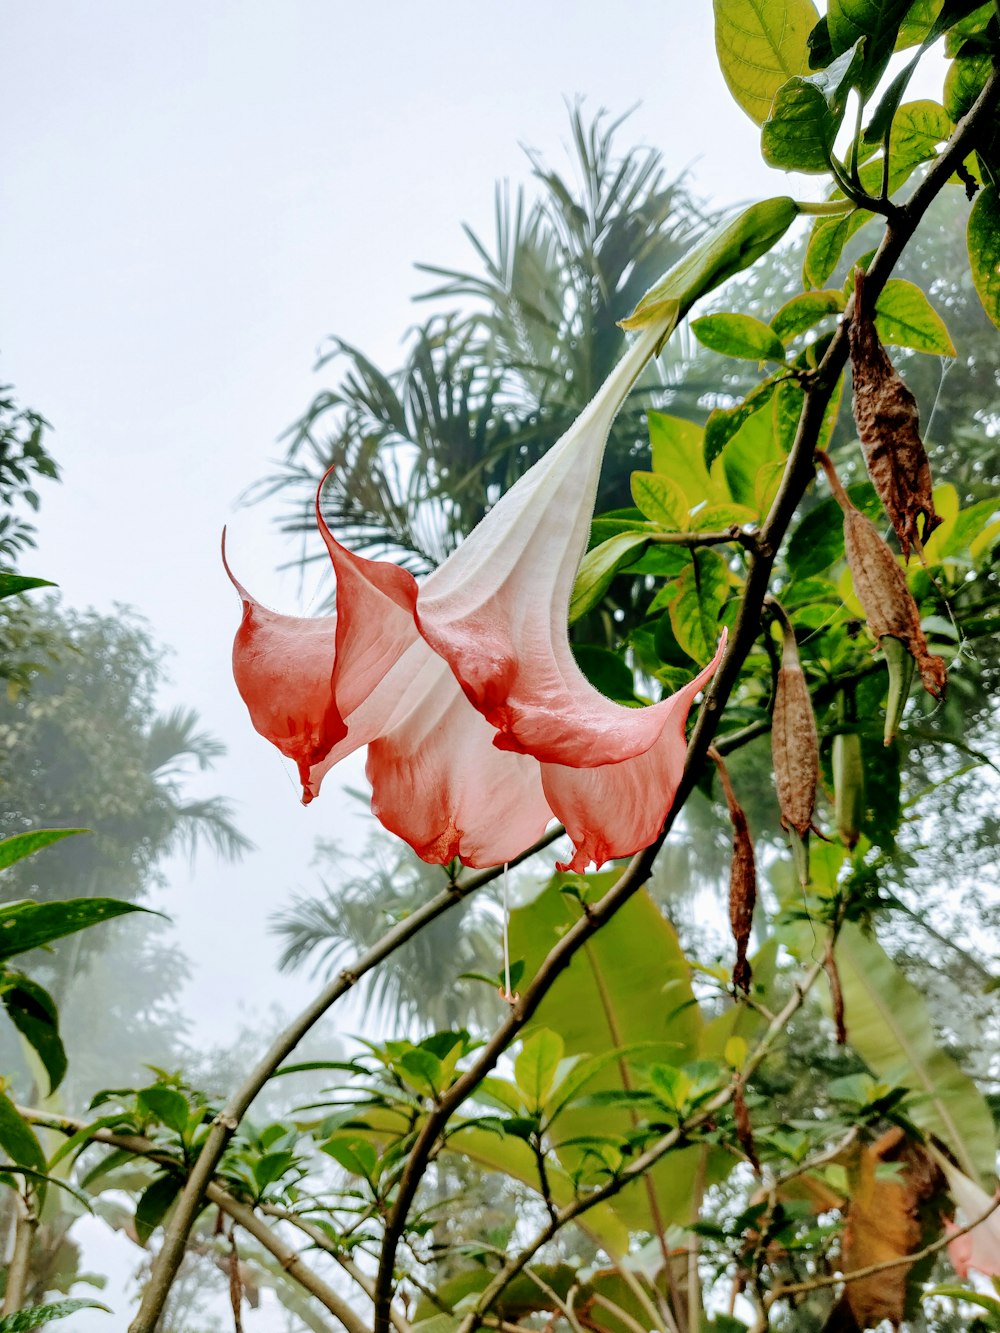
889	430
794	746
883	1224
742	880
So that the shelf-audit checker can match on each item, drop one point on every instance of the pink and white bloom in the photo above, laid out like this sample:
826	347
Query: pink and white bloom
980	1247
480	726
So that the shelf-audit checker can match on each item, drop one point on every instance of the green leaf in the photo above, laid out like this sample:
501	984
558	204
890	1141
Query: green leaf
827	239
33	1012
739	335
535	1066
28	925
725	423
602	1001
984	250
917	129
799	133
806	310
676	446
661	500
12	584
890	1028
760	46
965	80
354	1154
877	21
818	540
19	1141
606	671
755	445
166	1105
598	569
38	1315
27	844
698	599
988	1303
153	1204
905	318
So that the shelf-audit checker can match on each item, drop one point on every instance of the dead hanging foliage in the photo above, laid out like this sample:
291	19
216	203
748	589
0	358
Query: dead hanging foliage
794	749
886	600
742	881
883	1224
744	1126
836	994
885	412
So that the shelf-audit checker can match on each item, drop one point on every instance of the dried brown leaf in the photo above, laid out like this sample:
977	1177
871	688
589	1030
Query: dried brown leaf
889	430
883	1224
742	880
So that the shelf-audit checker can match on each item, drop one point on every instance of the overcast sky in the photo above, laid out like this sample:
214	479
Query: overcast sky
194	195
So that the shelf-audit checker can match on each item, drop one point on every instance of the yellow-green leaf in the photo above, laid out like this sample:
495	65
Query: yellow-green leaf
699	594
676	446
905	318
760	46
984	250
536	1064
738	335
599	567
804	311
660	499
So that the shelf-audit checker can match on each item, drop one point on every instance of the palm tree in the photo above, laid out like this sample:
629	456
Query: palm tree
418	455
367	895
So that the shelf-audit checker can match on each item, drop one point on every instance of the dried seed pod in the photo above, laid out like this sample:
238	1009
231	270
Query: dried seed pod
885	412
887	602
742	881
836	995
795	751
848	786
744	1127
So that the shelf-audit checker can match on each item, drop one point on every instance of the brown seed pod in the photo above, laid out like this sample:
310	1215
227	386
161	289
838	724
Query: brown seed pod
744	1127
885	412
836	995
794	747
881	588
742	881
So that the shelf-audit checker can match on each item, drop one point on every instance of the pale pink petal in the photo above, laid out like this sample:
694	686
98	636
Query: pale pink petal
283	667
497	609
439	782
617	809
980	1247
959	1250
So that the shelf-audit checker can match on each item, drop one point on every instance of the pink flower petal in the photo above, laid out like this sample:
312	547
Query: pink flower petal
283	667
980	1247
617	809
497	609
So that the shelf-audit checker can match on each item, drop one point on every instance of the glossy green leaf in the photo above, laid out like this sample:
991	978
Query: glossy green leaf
984	249
27	844
33	1012
19	1141
917	130
28	925
877	21
353	1153
166	1105
606	671
661	500
740	336
827	239
725	423
599	567
676	447
536	1064
754	446
965	80
905	317
12	584
805	311
154	1203
890	1028
760	46
699	595
715	518
799	133
36	1316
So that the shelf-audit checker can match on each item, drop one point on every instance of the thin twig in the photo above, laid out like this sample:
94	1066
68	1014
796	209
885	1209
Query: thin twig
167	1262
19	1268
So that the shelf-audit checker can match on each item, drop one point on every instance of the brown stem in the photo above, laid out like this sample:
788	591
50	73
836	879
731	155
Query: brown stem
19	1270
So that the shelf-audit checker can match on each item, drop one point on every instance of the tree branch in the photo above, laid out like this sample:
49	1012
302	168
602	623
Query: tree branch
167	1262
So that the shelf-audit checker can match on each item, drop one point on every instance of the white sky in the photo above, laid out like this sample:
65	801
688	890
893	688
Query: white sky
194	195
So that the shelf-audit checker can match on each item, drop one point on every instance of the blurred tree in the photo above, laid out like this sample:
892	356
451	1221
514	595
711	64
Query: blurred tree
419	454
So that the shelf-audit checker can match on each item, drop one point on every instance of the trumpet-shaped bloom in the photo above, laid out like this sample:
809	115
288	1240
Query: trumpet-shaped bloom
479	724
980	1247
